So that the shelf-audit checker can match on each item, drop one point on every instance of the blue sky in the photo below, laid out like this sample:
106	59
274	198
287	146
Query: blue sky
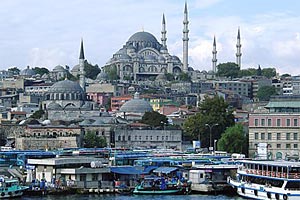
47	33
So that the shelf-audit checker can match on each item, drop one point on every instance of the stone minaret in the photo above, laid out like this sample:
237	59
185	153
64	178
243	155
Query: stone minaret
214	59
164	32
238	50
81	67
185	39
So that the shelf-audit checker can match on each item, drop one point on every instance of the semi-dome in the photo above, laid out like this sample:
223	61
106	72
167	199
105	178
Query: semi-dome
66	86
27	72
59	68
136	105
102	76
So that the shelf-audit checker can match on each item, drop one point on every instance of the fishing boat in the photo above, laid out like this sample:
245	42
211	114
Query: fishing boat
211	178
10	188
258	179
159	185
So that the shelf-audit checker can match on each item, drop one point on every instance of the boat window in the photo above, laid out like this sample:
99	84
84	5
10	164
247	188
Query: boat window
293	185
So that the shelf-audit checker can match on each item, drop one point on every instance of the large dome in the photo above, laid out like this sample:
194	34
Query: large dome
142	37
27	72
66	86
136	105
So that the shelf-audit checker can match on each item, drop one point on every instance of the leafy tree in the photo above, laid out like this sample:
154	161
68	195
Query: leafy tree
154	119
37	114
71	77
247	72
112	73
91	71
91	140
259	72
265	92
234	140
228	69
269	72
184	77
169	76
41	70
14	70
212	111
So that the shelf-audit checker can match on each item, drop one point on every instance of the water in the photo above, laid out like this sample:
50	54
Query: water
132	197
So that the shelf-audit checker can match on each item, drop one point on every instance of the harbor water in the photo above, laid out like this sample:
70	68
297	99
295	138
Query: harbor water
132	197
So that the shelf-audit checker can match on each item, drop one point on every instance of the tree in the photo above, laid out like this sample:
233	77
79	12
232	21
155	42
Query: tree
41	70
259	72
169	76
37	114
112	73
154	119
91	71
184	77
14	70
228	69
268	72
91	140
234	140
247	72
212	111
265	92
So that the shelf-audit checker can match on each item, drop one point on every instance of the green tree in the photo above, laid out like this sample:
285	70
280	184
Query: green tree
184	77
265	92
269	72
112	73
41	70
212	111
234	140
14	70
91	71
91	140
228	69
259	72
37	114
154	119
247	72
169	76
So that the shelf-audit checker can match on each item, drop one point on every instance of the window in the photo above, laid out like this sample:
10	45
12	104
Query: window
269	136
135	138
278	146
129	138
256	122
256	136
295	122
295	146
288	122
269	122
262	122
151	137
157	138
146	137
140	138
288	146
119	138
288	136
278	122
295	136
94	177
167	138
278	136
262	136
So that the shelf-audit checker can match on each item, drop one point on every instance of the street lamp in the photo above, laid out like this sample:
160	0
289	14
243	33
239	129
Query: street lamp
210	129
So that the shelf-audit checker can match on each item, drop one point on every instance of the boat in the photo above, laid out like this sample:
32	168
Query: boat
258	179
159	185
211	178
10	188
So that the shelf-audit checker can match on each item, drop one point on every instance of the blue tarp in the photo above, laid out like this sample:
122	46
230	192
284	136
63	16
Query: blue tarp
130	170
165	170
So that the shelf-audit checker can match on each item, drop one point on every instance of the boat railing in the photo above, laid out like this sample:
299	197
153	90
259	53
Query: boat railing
272	173
294	175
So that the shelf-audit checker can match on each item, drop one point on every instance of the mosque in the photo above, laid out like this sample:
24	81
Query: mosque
143	57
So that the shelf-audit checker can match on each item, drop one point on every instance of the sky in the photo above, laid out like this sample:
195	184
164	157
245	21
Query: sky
47	33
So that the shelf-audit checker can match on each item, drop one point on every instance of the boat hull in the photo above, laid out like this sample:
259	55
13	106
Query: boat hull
161	192
12	194
255	191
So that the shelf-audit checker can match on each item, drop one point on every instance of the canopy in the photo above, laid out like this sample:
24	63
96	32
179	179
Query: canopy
130	170
165	170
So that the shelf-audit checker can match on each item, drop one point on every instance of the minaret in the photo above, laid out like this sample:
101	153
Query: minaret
214	59
164	32
81	67
238	50
185	39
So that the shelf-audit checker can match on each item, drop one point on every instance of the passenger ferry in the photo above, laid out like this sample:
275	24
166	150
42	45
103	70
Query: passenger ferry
211	178
259	179
10	188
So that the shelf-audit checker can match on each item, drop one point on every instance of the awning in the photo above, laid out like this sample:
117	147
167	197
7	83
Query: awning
130	170
165	170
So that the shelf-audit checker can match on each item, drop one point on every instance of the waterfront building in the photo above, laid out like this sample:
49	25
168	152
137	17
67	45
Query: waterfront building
278	126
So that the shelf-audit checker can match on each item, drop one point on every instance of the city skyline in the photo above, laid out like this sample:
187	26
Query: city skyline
47	33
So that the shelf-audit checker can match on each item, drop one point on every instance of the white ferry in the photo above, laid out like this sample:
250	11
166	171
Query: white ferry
211	178
257	179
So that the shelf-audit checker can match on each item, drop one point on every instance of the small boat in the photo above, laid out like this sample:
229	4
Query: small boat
259	179
10	188
159	185
211	178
